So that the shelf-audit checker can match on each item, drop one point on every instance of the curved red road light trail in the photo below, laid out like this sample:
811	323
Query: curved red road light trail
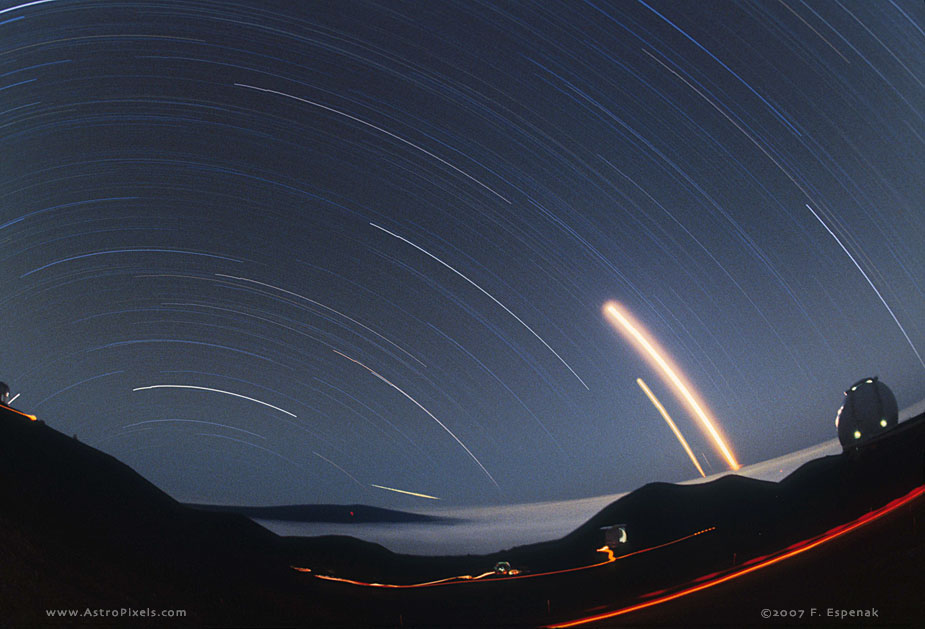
623	322
466	578
757	563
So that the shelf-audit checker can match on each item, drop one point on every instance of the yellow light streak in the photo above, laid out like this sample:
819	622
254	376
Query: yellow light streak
402	491
671	424
635	332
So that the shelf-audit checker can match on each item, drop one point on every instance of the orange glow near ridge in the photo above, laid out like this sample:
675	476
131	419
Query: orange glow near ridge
671	424
513	574
27	415
636	333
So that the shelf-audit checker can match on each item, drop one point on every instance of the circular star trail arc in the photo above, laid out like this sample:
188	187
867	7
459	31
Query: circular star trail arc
220	195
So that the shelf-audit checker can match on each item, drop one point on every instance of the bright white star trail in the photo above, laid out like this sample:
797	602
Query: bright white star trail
221	194
238	395
487	294
872	285
427	412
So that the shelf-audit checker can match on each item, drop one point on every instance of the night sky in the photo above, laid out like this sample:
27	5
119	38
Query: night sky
282	252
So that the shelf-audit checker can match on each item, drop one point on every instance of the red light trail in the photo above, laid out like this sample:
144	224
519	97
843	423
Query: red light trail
513	574
758	563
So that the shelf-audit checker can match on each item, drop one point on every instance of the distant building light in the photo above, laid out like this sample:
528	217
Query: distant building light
614	535
857	434
883	422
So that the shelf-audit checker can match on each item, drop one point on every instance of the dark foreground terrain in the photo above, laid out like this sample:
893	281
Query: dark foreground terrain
81	531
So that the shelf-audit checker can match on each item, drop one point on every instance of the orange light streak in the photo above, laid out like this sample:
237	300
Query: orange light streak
616	314
26	415
671	424
763	562
514	574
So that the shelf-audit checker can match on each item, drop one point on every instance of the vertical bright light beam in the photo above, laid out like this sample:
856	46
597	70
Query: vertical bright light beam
621	321
671	424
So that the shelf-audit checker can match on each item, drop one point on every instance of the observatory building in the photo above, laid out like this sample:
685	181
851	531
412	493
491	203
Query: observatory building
869	410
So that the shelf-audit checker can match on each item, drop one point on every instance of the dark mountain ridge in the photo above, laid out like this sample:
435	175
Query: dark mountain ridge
325	513
79	528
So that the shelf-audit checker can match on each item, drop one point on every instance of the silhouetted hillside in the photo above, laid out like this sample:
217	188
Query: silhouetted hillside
325	513
79	529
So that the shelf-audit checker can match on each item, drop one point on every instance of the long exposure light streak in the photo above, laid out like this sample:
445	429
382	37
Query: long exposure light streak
489	295
882	300
24	5
757	564
429	414
328	308
26	415
327	460
252	445
671	424
621	321
402	491
379	129
189	386
192	421
513	574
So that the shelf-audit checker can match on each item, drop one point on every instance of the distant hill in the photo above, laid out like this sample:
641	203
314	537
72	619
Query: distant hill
326	513
80	529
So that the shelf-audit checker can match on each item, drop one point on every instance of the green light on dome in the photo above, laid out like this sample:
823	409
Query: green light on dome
857	434
883	422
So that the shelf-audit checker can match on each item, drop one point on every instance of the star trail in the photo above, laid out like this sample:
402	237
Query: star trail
305	252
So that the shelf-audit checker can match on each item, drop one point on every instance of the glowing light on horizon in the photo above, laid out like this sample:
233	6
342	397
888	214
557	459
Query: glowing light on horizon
621	320
671	424
189	386
429	414
402	491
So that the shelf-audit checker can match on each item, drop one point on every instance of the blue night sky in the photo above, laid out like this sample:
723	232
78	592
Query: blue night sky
282	252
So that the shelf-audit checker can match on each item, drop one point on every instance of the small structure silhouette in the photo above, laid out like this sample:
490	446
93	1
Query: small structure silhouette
869	410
